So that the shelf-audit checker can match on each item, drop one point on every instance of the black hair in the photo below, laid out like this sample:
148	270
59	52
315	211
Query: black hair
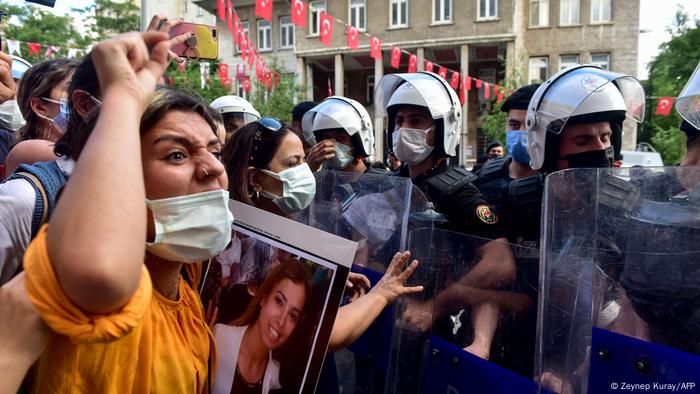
520	98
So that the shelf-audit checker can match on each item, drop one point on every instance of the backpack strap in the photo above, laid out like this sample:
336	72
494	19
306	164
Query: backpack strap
44	198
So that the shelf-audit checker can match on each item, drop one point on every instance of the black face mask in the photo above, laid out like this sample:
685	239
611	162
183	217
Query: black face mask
592	159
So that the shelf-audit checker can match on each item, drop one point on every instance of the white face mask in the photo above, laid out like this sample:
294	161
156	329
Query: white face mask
342	158
191	228
10	116
299	188
410	145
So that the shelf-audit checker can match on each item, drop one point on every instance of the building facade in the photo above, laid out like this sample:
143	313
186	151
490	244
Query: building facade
522	41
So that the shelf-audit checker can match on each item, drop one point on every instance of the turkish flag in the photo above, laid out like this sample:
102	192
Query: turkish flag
429	66
223	72
263	9
375	48
244	46
499	98
468	82
221	9
240	71
246	85
478	84
487	91
252	55
236	33
330	89
353	37
229	16
412	63
326	28
395	57
34	48
299	13
664	106
454	80
442	72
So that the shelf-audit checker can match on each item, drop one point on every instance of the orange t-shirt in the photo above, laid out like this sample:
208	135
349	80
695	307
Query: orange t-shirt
151	345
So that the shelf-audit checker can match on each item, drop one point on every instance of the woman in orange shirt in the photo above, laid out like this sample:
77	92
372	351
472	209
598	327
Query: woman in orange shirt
123	319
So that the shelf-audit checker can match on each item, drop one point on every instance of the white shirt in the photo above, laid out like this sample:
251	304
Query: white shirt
17	202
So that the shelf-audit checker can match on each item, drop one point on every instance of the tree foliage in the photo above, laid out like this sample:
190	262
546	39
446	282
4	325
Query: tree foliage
107	17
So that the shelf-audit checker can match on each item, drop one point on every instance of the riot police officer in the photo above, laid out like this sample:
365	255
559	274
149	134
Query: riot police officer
342	127
236	111
424	124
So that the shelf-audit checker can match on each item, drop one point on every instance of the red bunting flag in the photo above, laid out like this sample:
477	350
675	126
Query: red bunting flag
299	13
499	98
442	72
263	9
454	80
34	48
429	66
375	48
252	55
244	46
236	33
240	71
229	16
246	85
326	28
664	106
353	37
478	84
463	90
412	63
221	9
487	90
223	72
330	89
468	82
395	57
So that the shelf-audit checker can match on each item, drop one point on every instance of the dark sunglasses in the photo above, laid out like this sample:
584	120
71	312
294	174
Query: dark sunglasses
265	125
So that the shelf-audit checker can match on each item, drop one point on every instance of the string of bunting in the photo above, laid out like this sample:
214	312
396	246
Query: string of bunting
461	83
35	49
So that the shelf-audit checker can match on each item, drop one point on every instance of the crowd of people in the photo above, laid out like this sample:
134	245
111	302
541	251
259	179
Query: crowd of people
116	190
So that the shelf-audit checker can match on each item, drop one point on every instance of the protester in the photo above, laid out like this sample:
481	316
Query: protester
340	133
41	96
298	113
246	346
236	111
8	117
495	150
108	305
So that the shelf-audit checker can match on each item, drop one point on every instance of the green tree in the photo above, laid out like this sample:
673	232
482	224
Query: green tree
668	73
190	80
107	18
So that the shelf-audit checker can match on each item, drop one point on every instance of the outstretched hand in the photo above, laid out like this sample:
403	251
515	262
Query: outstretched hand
356	286
7	84
132	63
393	283
162	24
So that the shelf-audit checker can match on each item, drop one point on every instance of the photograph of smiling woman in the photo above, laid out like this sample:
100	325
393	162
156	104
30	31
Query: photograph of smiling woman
247	362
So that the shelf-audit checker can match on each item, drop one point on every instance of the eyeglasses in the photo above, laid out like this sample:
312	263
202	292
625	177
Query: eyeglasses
59	102
265	125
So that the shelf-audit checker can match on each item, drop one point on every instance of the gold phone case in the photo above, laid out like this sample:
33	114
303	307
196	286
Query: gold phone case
204	45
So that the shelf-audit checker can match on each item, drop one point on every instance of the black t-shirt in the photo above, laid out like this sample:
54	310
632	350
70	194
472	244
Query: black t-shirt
7	139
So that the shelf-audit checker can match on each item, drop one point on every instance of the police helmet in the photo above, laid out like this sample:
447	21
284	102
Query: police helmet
19	67
426	90
236	105
688	102
338	112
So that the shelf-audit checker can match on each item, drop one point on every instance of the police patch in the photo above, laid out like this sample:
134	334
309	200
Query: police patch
486	215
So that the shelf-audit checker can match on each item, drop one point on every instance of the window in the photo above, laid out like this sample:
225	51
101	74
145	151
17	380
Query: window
357	14
601	60
567	60
442	11
569	11
600	11
316	7
538	69
370	89
241	91
539	13
488	9
398	13
264	35
246	30
200	10
286	32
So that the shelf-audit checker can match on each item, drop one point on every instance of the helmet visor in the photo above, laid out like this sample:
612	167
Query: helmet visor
688	103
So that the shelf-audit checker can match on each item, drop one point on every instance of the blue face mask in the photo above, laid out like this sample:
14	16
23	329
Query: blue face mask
516	142
60	121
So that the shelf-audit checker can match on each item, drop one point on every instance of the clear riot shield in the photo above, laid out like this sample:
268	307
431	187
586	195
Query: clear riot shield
620	281
376	211
469	292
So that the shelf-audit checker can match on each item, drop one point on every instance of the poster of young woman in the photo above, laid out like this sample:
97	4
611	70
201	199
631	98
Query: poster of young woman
271	299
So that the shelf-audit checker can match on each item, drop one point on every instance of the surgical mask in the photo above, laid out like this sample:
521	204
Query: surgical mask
601	158
191	228
410	145
299	188
60	121
516	142
342	158
10	116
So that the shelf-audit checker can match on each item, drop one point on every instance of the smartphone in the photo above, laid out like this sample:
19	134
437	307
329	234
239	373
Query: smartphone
204	45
